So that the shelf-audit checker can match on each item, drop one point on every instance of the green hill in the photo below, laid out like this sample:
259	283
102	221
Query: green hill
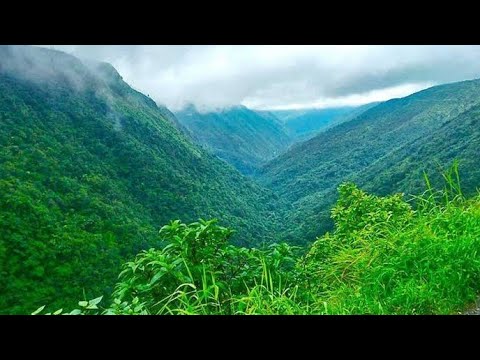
240	136
385	149
90	169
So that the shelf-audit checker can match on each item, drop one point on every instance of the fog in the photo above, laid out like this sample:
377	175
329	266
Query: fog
282	77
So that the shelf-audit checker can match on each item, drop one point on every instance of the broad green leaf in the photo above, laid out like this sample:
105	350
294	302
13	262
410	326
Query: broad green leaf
95	301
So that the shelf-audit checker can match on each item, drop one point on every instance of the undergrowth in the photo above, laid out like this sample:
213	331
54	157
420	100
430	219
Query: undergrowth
385	256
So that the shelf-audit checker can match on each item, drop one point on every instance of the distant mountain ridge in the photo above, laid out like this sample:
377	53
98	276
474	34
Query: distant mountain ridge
237	135
304	124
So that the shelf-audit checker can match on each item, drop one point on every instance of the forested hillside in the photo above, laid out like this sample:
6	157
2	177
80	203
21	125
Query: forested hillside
103	195
383	257
385	150
90	169
238	135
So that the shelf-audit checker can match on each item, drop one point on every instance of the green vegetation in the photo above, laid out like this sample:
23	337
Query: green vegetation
384	150
383	257
89	170
241	137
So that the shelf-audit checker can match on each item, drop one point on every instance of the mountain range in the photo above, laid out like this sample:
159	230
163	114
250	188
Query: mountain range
304	124
91	169
385	149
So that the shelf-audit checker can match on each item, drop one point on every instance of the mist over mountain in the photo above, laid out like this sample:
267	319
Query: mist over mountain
283	76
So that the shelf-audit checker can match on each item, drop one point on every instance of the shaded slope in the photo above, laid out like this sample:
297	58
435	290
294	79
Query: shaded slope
237	135
458	139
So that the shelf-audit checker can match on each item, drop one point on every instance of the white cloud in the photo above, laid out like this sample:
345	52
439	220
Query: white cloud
349	100
283	76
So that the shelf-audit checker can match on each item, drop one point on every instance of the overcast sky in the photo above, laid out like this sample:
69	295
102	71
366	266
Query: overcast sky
283	77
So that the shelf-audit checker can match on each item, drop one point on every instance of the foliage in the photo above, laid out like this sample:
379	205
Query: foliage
384	150
399	261
198	272
382	258
89	168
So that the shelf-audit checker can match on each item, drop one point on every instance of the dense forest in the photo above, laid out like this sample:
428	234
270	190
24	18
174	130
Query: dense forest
89	171
103	192
242	137
385	150
383	257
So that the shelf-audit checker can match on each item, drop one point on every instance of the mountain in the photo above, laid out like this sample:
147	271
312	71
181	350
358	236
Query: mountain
238	135
90	169
306	123
384	150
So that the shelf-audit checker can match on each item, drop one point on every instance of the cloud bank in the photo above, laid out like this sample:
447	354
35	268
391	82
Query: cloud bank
282	77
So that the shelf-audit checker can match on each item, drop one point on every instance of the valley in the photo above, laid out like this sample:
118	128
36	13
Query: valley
306	123
411	128
239	136
91	171
97	180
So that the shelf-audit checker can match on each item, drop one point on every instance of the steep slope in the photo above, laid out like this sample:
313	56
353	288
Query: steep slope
383	150
304	124
90	169
458	139
237	135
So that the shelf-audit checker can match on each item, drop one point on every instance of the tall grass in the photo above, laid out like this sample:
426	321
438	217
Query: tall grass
269	296
428	265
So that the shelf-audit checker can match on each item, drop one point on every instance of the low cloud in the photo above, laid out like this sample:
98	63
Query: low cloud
268	77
